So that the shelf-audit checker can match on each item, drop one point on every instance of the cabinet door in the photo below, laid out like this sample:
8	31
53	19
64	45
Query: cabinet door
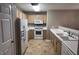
59	47
55	45
45	18
51	38
54	41
31	18
41	17
44	34
31	34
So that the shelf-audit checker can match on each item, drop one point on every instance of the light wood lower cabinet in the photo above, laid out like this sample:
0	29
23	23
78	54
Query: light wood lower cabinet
46	34
56	43
30	34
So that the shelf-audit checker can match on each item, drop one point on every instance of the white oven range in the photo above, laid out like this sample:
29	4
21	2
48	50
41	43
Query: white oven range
38	33
38	30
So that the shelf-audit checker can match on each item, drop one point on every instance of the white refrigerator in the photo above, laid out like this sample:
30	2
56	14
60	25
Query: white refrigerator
21	36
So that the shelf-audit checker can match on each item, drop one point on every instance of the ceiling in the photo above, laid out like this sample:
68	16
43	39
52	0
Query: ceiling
49	6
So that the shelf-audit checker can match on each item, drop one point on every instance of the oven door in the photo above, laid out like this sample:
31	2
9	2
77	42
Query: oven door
38	32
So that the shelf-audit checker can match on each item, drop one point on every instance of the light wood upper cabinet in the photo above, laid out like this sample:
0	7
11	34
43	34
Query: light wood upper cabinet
31	18
17	13
20	14
41	17
45	18
24	16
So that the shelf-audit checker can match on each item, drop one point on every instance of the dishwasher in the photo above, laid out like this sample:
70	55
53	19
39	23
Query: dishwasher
66	50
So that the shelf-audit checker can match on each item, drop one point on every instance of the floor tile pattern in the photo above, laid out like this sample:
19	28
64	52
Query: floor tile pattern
39	47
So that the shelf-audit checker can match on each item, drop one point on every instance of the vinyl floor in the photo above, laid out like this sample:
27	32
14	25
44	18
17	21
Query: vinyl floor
39	47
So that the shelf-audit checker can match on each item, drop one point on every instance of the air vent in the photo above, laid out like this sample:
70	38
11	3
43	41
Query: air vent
34	4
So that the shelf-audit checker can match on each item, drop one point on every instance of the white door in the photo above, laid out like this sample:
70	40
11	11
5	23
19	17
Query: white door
5	37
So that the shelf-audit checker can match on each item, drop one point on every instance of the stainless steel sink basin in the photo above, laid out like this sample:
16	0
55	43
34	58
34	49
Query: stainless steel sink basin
65	38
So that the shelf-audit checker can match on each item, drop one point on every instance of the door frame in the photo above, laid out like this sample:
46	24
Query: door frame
13	18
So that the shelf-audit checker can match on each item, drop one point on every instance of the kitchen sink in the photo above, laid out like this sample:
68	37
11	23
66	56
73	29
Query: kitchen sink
65	35
66	38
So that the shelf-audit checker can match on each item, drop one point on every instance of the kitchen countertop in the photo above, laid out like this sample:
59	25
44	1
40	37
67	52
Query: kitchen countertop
72	45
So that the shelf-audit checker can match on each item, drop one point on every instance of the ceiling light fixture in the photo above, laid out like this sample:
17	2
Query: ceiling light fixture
36	6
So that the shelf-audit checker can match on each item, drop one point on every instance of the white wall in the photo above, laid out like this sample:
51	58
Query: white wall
69	18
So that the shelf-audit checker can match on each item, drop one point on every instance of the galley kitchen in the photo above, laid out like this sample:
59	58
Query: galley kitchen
39	28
